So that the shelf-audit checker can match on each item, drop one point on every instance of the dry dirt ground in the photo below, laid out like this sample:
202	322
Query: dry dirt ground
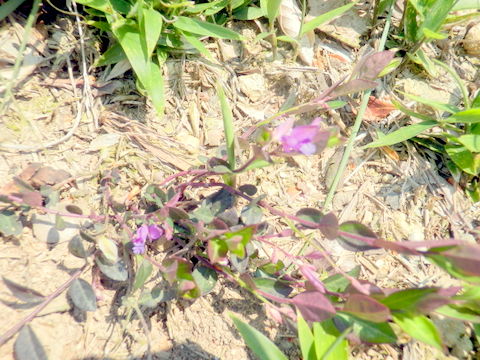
55	120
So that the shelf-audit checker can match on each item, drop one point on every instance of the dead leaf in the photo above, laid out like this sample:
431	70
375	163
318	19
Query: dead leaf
378	109
290	20
35	175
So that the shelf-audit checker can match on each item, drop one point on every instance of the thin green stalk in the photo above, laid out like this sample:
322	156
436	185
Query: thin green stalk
356	125
459	82
21	54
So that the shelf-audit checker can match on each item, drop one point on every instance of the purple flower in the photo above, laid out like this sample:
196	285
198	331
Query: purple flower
144	233
305	139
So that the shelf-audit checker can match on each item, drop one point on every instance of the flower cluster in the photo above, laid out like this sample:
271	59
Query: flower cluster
144	233
305	139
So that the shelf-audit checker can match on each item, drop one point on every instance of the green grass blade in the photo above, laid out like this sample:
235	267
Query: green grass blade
470	116
227	125
305	338
419	327
262	346
402	134
9	7
199	27
324	18
433	104
197	44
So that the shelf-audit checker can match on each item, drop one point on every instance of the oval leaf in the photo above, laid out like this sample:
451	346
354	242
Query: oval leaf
82	295
143	273
108	248
205	278
28	347
262	346
314	306
419	327
117	271
367	308
352	243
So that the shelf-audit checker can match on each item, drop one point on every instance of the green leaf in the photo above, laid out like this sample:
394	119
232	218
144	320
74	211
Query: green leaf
82	295
324	18
262	346
305	338
9	223
429	34
376	333
470	116
143	273
117	271
338	282
420	328
270	9
355	228
273	286
199	27
197	44
228	127
471	142
402	134
435	14
151	24
108	248
408	299
325	336
108	7
28	347
448	265
8	7
248	13
205	278
367	308
463	158
459	312
433	104
148	73
113	55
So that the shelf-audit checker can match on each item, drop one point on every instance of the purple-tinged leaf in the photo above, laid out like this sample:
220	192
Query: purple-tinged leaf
310	274
314	306
372	65
315	255
217	250
272	286
421	300
338	282
466	258
367	308
32	198
352	242
177	214
367	331
28	347
328	224
364	287
354	86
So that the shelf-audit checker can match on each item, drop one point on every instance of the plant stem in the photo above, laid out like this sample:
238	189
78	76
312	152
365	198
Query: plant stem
14	329
356	125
